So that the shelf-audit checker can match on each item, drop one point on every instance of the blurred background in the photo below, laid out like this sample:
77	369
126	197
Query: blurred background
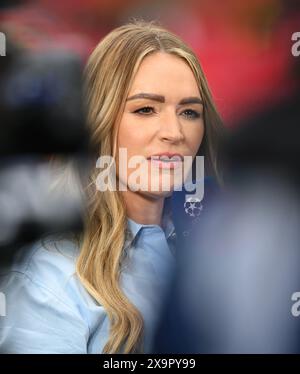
241	301
244	46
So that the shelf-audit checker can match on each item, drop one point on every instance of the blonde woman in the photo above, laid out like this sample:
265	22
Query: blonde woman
146	94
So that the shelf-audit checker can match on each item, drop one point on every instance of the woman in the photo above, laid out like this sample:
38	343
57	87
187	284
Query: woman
146	94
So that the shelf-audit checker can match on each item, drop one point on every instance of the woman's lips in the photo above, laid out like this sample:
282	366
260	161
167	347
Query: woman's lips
167	156
165	164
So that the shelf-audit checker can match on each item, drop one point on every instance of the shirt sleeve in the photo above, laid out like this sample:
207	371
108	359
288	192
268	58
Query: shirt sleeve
38	321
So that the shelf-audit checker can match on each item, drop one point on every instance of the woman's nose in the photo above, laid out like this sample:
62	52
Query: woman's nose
170	128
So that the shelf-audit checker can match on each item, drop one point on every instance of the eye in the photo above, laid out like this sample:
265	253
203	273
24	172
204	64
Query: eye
146	110
191	114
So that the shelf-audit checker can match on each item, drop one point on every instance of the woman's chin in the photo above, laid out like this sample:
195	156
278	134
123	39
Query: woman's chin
158	194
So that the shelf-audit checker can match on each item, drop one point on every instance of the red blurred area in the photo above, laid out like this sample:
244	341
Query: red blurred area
245	51
244	46
77	25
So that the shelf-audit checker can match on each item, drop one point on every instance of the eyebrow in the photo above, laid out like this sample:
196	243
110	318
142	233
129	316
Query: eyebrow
161	99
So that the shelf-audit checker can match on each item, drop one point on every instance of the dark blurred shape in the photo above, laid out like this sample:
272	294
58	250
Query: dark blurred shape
234	288
11	3
41	107
267	143
42	118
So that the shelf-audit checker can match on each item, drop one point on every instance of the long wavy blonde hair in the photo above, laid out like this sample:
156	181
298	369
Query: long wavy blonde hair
109	74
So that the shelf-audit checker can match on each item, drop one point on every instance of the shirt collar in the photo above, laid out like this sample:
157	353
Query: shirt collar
133	228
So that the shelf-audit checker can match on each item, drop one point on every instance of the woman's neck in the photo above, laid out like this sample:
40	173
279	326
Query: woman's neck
143	209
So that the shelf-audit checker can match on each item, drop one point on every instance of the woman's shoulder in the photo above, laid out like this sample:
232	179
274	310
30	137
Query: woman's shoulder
49	262
45	300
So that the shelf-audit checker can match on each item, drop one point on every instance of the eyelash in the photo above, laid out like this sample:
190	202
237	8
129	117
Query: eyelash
192	115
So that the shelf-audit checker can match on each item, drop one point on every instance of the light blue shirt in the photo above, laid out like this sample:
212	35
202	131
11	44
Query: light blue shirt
49	311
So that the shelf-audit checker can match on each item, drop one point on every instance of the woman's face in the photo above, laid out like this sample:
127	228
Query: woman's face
163	116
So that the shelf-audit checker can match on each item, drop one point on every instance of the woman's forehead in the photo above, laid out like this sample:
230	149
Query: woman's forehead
165	74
